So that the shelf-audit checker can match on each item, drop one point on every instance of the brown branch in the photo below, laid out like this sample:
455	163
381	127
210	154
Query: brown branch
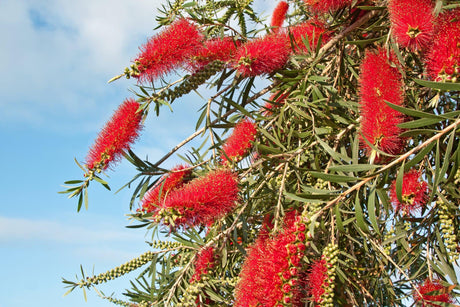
393	163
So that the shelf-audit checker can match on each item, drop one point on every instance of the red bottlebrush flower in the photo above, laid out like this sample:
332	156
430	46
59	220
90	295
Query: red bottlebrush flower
430	286
379	82
412	22
204	199
213	50
317	279
240	141
311	31
172	181
204	262
443	59
117	135
324	6
414	193
262	55
168	50
269	272
279	14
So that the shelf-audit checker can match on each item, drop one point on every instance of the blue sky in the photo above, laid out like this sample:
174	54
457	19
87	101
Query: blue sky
56	57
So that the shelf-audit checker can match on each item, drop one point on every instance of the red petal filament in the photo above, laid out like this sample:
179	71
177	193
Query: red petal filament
117	135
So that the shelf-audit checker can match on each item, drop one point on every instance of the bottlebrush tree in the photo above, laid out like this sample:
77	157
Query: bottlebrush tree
329	168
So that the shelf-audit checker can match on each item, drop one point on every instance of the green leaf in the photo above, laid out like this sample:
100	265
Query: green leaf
79	165
224	257
445	266
84	295
237	106
335	155
189	4
372	210
417	133
399	183
412	112
334	178
138	225
446	162
68	291
443	86
85	192
360	215
301	199
383	197
419	156
80	202
437	159
422	122
271	138
101	181
364	42
73	181
200	119
268	150
213	295
353	167
394	238
338	219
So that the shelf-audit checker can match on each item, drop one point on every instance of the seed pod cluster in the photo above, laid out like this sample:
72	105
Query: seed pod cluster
118	271
158	244
191	293
193	81
387	236
448	230
127	304
330	254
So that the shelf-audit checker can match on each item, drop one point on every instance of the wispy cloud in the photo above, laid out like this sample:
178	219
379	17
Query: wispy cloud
22	230
57	55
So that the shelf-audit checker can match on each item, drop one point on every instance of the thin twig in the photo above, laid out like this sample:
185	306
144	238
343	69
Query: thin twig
280	195
382	251
347	30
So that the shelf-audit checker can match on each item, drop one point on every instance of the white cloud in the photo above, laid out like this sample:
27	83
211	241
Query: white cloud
57	55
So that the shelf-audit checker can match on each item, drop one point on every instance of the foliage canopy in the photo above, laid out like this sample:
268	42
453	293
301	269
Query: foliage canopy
329	167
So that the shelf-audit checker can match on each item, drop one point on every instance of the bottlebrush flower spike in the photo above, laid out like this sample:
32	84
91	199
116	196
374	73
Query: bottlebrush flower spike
262	55
320	278
443	59
317	279
178	176
412	22
202	200
216	49
279	15
117	135
324	6
238	145
271	274
414	193
380	82
204	262
168	50
429	286
310	30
